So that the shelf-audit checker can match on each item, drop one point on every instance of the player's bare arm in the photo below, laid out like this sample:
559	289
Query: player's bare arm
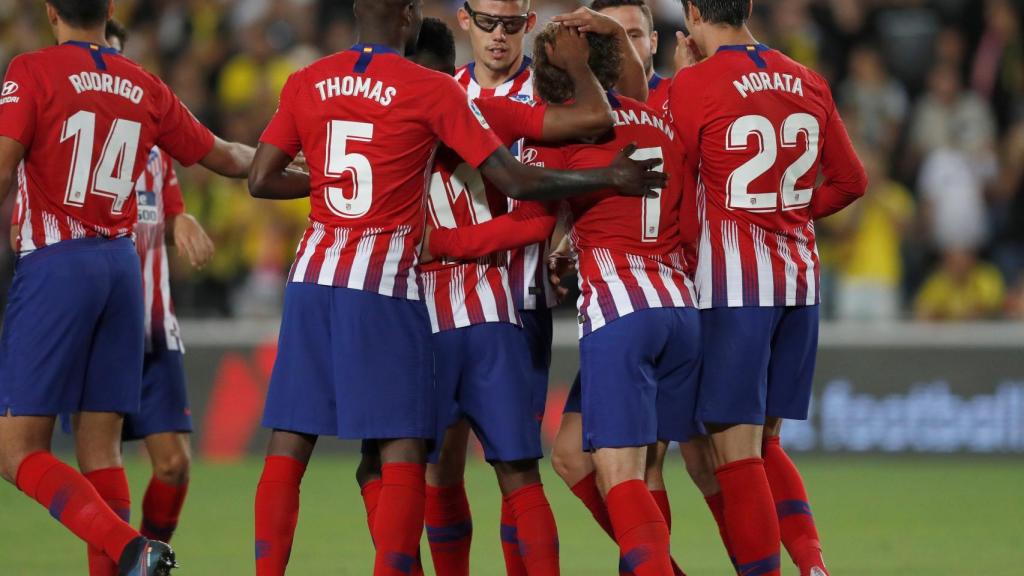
230	159
589	116
633	79
190	239
272	178
521	182
11	153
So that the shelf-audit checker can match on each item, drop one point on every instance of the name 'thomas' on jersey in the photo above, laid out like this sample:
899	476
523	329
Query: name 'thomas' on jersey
88	118
368	121
758	128
629	250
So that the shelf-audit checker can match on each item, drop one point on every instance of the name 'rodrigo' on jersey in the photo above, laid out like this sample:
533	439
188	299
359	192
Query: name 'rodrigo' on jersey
88	118
757	128
368	121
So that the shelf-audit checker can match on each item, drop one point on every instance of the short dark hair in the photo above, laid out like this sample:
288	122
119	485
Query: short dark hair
599	5
81	13
732	12
436	41
553	84
116	30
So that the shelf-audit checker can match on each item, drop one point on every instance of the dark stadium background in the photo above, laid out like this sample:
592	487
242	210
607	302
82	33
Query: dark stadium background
917	434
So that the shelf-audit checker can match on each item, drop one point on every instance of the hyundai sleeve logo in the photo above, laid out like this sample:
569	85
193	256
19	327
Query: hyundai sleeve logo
9	88
529	155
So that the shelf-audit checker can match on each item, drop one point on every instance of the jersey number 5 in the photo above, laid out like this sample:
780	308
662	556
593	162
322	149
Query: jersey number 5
113	175
341	162
740	198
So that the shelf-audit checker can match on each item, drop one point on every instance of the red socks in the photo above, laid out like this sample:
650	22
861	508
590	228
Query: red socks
536	530
510	541
586	490
750	519
277	513
399	520
112	485
716	503
661	499
371	498
449	529
161	508
640	529
73	501
796	523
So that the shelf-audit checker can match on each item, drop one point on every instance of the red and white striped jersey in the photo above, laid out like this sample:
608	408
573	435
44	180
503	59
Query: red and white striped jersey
369	122
758	128
657	96
526	266
629	250
159	198
87	118
461	294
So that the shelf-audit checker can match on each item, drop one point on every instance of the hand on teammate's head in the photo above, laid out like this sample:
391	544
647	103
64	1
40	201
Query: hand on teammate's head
568	47
589	21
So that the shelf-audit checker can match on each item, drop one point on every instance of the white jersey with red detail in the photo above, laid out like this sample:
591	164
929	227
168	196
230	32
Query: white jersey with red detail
159	198
526	266
629	250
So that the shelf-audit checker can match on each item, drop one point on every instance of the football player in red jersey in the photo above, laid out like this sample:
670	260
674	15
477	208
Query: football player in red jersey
497	30
758	129
354	353
626	280
76	124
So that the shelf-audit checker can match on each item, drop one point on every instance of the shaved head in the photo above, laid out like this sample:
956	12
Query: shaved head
393	22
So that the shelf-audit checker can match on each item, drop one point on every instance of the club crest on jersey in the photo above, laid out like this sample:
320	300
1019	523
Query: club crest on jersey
479	115
6	95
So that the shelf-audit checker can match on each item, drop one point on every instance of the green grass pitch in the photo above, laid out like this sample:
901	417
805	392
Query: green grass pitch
878	516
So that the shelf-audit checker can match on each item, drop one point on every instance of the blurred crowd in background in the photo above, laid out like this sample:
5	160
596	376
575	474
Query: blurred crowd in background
932	91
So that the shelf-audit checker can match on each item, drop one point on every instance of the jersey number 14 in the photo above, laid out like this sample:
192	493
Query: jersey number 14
113	176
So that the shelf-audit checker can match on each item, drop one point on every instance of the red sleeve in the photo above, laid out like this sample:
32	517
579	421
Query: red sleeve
685	109
529	223
180	134
462	128
282	132
174	202
845	179
512	119
18	103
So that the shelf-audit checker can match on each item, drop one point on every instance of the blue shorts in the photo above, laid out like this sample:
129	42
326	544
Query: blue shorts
352	364
538	329
73	335
639	379
481	374
164	397
574	401
760	363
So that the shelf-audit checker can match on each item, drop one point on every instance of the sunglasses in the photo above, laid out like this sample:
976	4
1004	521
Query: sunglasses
489	22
